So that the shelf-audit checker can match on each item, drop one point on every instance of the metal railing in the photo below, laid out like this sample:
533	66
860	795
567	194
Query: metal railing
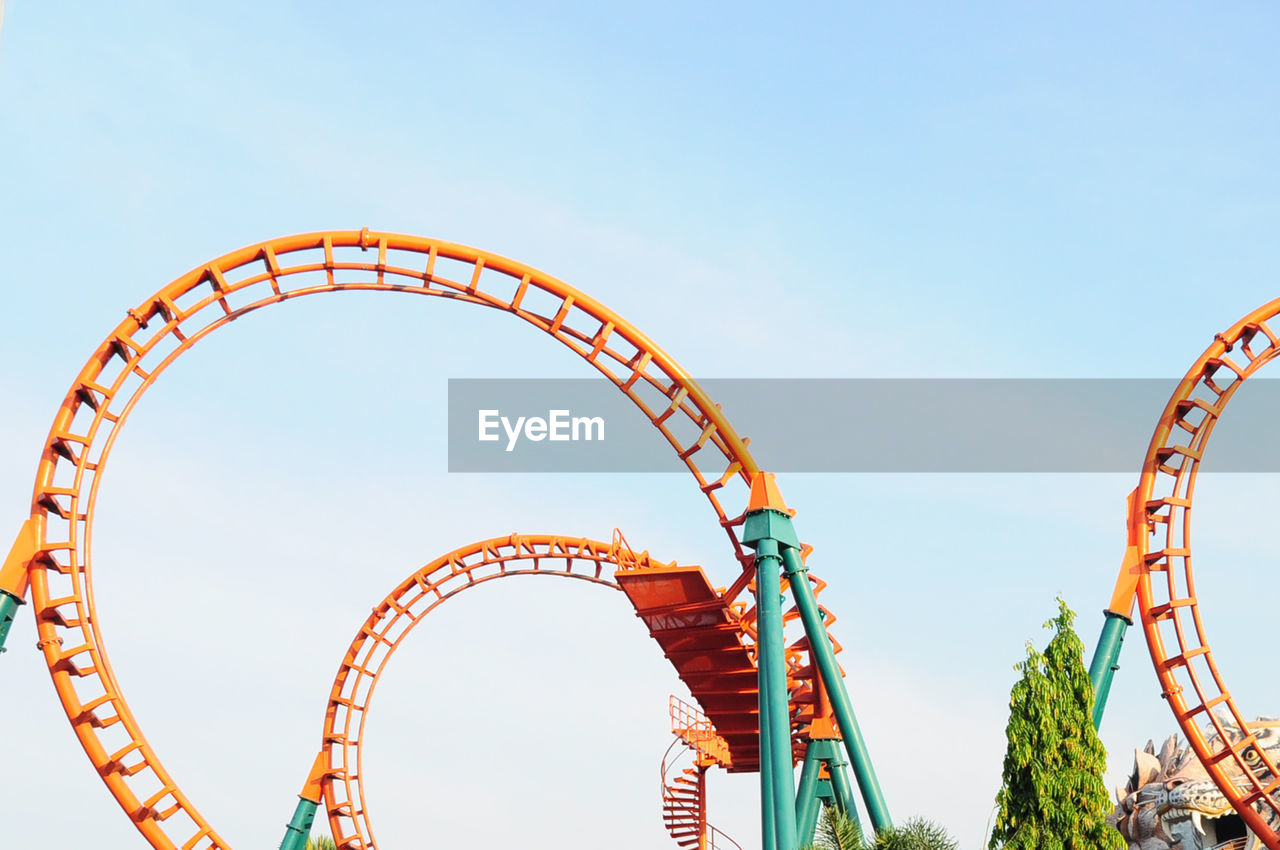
717	840
694	734
696	729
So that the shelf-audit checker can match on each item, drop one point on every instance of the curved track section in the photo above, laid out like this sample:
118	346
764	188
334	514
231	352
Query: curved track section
1161	525
168	323
396	616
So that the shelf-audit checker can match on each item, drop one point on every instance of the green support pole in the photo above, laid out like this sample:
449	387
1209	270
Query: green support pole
824	655
840	784
775	727
1106	660
8	610
768	831
807	796
295	837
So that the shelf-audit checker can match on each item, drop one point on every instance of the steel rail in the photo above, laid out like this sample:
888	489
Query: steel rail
1160	529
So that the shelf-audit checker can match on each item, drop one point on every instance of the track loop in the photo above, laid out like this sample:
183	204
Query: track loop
1161	523
396	616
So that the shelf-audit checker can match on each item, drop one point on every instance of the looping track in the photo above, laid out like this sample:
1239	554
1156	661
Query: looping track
396	616
1160	523
168	323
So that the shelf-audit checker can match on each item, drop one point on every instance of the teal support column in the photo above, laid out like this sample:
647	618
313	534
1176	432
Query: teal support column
1106	660
768	828
8	610
775	726
824	655
295	836
807	796
834	791
840	784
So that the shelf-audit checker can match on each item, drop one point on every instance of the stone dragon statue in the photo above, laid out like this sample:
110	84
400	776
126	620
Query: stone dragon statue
1170	803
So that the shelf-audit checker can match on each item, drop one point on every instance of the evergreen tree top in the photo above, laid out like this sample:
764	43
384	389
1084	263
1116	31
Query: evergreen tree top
1053	795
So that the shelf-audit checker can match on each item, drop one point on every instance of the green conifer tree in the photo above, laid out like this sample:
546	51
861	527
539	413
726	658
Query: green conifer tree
1053	797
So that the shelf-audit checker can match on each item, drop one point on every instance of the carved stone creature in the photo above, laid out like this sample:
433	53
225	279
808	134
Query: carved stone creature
1170	803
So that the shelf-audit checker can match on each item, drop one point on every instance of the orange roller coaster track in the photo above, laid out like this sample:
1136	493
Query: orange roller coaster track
1161	516
1157	573
51	556
340	769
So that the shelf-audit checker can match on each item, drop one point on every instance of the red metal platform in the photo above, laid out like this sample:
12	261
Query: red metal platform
702	639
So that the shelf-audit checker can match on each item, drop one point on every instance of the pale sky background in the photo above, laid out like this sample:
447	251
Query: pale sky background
885	190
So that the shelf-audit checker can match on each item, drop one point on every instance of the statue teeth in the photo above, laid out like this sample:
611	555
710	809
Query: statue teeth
1195	820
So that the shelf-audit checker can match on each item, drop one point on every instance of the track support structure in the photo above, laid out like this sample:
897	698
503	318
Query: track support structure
769	529
829	669
1106	657
807	796
8	610
13	576
304	813
822	781
776	766
1106	660
299	829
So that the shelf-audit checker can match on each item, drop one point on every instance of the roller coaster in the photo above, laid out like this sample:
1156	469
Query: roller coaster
756	654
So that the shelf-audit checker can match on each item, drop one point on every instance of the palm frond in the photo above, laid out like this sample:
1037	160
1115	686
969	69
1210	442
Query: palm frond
838	831
915	834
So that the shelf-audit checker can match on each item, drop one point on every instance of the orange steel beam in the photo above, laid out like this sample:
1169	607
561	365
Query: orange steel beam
168	323
1158	567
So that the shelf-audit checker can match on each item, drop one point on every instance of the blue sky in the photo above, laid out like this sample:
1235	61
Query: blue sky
870	191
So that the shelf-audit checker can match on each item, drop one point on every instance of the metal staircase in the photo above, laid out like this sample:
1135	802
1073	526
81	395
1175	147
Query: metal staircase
684	788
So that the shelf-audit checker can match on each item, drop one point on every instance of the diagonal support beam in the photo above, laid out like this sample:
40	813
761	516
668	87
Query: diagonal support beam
304	814
807	796
1106	657
846	721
